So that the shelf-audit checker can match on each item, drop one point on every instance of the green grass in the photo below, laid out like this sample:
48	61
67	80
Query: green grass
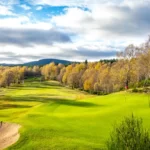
58	118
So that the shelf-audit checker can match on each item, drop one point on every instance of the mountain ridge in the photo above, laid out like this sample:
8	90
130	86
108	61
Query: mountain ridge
40	62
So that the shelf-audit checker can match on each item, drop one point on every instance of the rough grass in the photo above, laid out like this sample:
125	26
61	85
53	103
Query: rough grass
58	118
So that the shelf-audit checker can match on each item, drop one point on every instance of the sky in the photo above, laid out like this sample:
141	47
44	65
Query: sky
74	30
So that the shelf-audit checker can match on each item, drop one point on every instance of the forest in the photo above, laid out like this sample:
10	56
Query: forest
130	69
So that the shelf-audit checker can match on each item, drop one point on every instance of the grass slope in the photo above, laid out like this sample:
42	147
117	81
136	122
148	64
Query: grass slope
57	118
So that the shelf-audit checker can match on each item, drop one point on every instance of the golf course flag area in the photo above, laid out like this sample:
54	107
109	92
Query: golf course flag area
53	117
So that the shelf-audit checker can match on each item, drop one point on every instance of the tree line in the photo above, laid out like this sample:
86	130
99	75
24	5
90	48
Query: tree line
131	69
16	75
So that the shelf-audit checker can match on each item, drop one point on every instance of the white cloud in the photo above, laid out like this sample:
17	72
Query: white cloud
25	7
106	21
39	8
104	28
88	3
15	22
135	3
70	2
6	10
23	22
74	18
58	2
72	51
9	2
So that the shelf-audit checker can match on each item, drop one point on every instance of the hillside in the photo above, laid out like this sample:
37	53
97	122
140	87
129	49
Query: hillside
46	61
40	62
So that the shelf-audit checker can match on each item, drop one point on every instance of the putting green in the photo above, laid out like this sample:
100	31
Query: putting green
58	118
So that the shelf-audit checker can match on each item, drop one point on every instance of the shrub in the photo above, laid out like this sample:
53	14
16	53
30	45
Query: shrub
135	90
144	83
146	90
129	135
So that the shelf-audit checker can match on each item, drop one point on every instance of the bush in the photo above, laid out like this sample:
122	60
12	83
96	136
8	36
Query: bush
144	83
146	90
129	135
135	90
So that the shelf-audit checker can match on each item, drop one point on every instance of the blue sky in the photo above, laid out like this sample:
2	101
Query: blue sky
70	29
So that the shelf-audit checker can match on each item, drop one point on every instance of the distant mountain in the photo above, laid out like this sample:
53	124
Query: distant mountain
40	62
46	61
3	64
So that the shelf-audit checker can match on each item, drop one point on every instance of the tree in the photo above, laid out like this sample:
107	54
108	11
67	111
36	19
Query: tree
7	78
36	71
73	80
129	135
128	54
67	73
49	71
89	78
87	85
61	74
97	88
104	78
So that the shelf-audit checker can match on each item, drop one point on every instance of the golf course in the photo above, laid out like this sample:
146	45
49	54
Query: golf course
54	117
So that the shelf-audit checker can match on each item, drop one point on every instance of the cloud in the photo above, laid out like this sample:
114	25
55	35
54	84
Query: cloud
82	54
24	22
58	2
6	11
133	22
71	55
39	8
70	51
85	29
118	19
9	2
18	58
87	3
87	53
70	2
25	7
106	21
31	37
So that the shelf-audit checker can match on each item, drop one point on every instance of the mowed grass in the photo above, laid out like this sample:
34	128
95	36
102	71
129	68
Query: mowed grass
58	118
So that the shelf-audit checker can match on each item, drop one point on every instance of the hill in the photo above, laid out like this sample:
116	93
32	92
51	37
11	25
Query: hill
46	61
39	62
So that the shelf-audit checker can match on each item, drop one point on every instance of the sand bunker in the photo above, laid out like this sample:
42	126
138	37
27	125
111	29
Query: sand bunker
8	134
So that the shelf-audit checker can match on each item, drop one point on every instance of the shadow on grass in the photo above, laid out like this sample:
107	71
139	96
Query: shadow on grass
51	83
8	106
60	101
33	86
41	98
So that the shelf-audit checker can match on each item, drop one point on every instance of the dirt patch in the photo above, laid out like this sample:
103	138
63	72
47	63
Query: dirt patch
8	134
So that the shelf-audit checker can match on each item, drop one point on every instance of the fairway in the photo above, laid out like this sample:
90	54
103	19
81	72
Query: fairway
53	117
